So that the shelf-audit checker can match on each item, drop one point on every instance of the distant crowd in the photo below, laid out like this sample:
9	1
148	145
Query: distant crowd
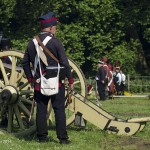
110	79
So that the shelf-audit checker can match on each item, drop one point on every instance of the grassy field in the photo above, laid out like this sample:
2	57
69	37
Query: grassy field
92	138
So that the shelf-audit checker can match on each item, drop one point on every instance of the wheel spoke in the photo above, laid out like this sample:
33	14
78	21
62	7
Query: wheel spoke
49	110
23	86
26	92
24	109
13	71
4	73
20	75
1	84
10	118
76	82
24	100
3	108
18	116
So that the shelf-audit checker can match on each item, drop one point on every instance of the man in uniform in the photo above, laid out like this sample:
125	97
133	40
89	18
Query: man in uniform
100	79
48	26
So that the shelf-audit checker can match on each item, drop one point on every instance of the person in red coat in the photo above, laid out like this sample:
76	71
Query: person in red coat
109	76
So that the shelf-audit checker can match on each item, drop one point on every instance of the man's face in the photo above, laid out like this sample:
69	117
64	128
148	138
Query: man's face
53	29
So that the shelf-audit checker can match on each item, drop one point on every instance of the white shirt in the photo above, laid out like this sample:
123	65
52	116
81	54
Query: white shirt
123	77
119	78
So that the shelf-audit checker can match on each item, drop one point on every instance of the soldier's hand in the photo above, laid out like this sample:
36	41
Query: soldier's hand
102	81
32	85
71	86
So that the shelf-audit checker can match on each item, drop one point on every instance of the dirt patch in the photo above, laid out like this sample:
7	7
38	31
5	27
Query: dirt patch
139	143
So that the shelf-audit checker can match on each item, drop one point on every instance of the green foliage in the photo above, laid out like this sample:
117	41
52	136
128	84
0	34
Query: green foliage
71	38
6	14
139	84
125	53
88	29
147	34
20	45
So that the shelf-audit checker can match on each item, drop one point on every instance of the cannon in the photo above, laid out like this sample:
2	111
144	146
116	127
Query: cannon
17	111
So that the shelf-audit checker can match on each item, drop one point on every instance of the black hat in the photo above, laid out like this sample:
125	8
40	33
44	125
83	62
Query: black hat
5	44
48	20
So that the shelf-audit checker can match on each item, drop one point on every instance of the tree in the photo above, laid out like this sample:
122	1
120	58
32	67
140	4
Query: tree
6	14
136	16
89	29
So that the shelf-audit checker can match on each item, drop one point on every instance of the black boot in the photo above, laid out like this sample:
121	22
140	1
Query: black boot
64	141
44	139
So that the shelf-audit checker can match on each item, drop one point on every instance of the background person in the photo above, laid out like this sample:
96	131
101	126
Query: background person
123	82
109	85
105	61
5	45
111	81
100	80
48	25
117	80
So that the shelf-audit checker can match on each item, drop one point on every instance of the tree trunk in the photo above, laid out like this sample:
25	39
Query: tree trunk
141	63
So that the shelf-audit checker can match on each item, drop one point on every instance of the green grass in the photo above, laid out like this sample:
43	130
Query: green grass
92	138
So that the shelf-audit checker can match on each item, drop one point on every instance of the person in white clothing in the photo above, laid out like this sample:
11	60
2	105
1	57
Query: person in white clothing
123	82
117	80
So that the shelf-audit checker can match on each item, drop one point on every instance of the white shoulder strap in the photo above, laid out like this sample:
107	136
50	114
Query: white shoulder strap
37	55
40	52
46	40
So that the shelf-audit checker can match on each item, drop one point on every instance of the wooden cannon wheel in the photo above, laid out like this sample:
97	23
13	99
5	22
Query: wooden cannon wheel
80	87
16	94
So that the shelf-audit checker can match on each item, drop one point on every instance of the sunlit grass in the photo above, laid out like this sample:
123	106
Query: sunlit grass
91	137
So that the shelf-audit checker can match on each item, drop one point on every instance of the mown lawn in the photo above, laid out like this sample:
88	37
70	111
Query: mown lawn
92	138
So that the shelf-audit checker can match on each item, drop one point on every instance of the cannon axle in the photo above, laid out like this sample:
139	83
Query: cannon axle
9	95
